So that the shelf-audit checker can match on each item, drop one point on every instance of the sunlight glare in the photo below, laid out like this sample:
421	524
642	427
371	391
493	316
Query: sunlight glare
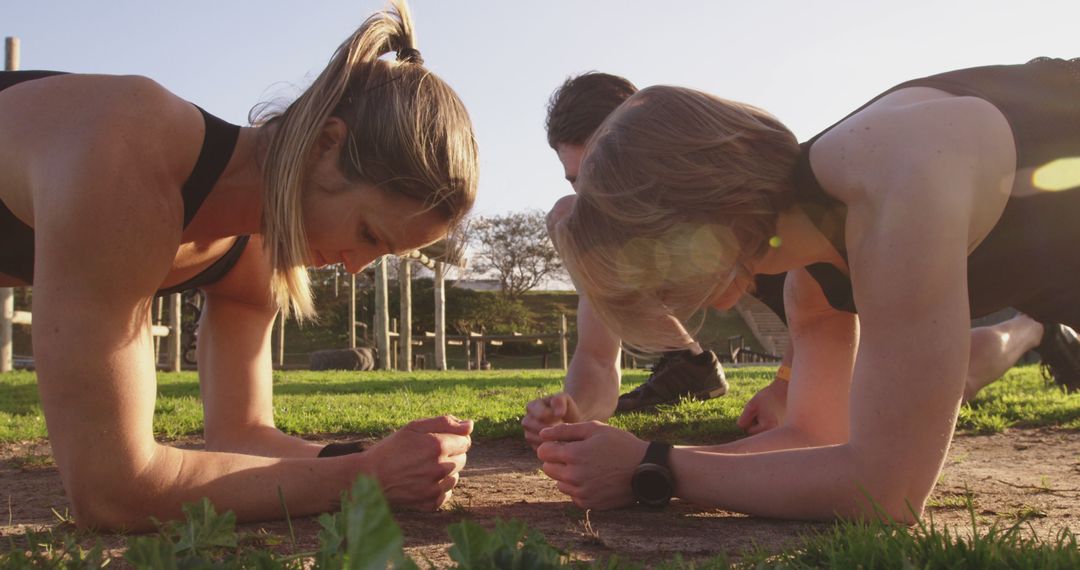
1057	175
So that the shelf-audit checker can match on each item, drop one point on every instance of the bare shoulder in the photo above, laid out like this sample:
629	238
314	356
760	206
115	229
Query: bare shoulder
131	120
916	138
102	160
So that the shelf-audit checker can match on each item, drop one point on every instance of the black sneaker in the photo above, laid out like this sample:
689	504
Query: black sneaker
677	375
1060	353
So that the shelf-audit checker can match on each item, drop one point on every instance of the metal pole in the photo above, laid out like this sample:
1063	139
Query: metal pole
405	314
382	317
440	316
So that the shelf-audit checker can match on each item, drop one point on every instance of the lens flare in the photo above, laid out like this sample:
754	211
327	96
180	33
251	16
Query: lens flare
1057	175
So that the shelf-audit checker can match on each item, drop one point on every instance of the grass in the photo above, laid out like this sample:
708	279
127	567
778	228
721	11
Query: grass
866	545
363	534
375	403
1021	399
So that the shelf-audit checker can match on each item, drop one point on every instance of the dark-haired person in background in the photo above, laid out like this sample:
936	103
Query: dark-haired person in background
115	190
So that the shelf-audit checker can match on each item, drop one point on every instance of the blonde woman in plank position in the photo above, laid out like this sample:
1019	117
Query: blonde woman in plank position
944	198
116	190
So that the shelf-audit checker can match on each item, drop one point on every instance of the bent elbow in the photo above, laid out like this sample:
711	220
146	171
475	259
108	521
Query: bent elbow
111	507
894	506
116	496
885	497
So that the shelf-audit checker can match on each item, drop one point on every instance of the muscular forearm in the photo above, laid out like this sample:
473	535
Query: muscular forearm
784	437
245	484
817	483
266	441
594	386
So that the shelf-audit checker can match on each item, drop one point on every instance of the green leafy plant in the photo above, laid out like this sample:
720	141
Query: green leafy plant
49	551
363	533
510	546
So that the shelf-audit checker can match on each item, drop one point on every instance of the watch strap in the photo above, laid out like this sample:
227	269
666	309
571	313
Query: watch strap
657	453
338	449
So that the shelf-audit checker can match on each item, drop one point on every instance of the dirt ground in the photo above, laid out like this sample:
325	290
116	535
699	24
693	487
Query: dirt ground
1021	474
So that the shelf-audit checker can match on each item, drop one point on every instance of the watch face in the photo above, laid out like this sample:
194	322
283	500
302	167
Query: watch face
652	484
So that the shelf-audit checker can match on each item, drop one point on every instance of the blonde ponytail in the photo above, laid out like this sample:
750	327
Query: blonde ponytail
343	87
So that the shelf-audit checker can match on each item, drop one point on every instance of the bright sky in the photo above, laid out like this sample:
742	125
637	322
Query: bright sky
808	62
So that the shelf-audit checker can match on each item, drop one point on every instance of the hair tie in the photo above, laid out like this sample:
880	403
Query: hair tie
410	55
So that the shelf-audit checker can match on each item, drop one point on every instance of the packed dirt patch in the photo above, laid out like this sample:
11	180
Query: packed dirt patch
1028	475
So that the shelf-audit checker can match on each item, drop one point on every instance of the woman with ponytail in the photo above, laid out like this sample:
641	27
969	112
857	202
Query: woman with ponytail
116	190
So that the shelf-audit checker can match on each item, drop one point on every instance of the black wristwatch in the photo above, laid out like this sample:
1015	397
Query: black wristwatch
652	482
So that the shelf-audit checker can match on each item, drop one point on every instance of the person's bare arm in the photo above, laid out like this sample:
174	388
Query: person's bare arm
905	396
591	388
593	376
101	252
824	342
766	409
235	372
909	271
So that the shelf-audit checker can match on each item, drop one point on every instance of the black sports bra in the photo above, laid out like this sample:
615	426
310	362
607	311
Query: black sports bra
1037	235
17	253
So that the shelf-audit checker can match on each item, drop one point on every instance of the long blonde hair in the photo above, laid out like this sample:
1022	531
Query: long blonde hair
408	132
679	194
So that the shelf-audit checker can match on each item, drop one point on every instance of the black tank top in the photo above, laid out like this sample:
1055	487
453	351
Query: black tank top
1034	243
17	238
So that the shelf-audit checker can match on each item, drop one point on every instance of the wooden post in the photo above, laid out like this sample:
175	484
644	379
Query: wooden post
382	317
352	309
176	345
468	352
440	316
337	290
405	314
11	54
562	341
281	340
7	314
155	319
7	294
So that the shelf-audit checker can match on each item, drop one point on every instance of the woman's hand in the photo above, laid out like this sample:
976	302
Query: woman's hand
548	411
418	465
592	462
765	410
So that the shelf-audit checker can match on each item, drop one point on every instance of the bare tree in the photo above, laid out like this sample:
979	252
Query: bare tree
516	247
